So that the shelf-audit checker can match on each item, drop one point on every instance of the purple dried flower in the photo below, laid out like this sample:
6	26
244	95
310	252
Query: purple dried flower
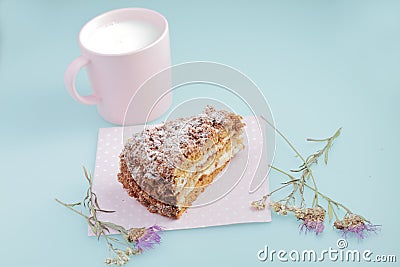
310	226
355	224
313	219
145	238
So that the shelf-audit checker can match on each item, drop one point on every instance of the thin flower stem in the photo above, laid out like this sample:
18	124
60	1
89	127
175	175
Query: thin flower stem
298	154
334	213
318	140
102	232
279	188
331	200
315	185
102	228
88	219
319	193
284	138
283	172
291	196
74	210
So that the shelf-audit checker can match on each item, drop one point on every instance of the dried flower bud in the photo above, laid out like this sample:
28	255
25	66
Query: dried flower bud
313	219
145	238
276	206
353	223
258	204
339	225
128	251
135	233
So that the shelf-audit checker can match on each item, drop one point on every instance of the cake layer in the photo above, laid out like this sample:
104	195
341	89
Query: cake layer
166	167
190	179
156	206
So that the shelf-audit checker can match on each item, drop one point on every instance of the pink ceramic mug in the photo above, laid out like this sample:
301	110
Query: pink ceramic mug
121	49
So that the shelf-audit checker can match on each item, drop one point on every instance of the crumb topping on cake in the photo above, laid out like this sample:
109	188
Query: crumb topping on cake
162	148
163	166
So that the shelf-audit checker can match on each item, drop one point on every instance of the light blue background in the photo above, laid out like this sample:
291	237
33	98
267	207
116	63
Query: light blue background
321	65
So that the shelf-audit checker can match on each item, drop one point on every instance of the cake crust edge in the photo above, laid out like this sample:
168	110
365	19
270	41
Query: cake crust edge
156	206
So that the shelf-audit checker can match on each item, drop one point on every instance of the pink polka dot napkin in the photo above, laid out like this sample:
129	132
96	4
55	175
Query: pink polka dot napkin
226	201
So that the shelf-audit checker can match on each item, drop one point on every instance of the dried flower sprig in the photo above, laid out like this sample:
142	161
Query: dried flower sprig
356	224
313	218
134	240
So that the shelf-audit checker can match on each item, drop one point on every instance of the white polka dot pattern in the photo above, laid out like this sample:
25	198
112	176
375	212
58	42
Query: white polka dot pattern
233	207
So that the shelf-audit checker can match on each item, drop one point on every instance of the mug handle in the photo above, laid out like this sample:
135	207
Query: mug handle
69	80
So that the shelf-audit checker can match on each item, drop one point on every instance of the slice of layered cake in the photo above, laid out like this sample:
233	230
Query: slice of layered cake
168	166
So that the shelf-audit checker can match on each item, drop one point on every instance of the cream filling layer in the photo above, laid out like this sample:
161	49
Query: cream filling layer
217	147
186	186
